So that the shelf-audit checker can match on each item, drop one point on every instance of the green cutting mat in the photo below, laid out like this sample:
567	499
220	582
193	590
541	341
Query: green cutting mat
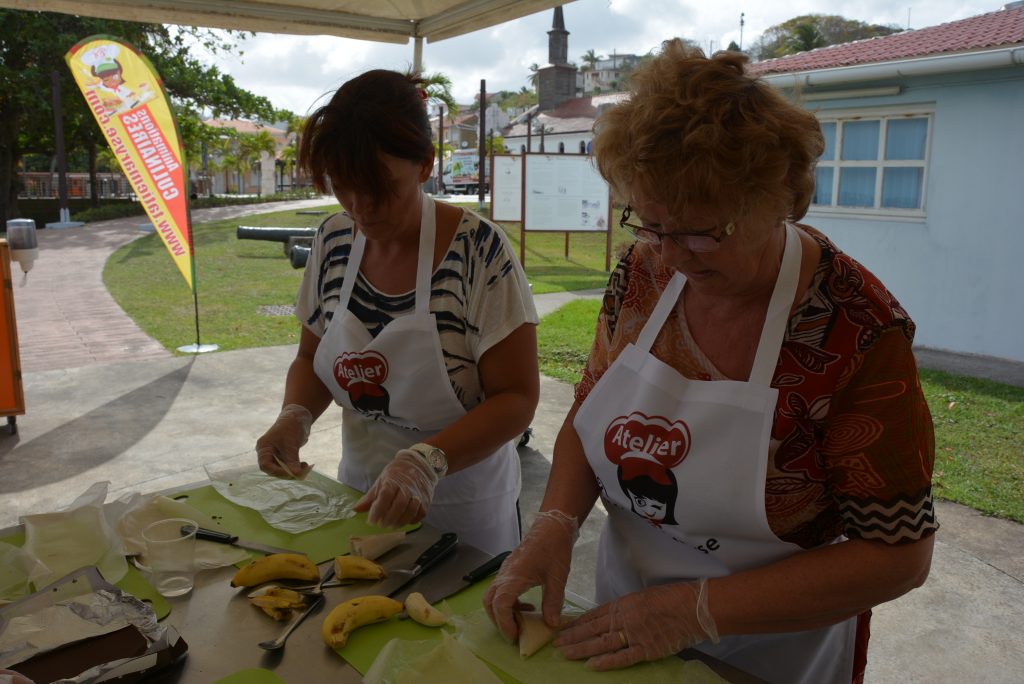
366	642
545	666
256	675
320	544
133	582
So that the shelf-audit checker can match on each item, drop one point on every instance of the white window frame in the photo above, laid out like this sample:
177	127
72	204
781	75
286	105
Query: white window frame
883	115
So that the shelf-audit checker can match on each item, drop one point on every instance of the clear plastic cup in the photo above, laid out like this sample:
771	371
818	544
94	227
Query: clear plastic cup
171	555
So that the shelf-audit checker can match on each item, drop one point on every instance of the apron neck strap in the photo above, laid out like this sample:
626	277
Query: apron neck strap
424	260
775	321
774	329
355	257
661	312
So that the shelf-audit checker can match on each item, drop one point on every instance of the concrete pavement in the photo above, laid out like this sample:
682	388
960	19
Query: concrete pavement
105	402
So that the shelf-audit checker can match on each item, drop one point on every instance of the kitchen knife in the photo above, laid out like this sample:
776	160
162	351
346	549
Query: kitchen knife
398	579
440	592
233	540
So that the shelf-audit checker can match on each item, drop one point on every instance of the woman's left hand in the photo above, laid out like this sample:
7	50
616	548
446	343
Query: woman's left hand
402	493
649	624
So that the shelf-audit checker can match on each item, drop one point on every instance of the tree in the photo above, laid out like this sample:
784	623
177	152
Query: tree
828	29
804	38
251	148
494	144
290	152
32	47
590	60
733	47
439	90
534	75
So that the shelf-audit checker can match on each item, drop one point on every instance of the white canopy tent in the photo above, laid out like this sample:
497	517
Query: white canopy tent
390	21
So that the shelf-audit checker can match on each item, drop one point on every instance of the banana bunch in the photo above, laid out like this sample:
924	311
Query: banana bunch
274	567
357	567
421	611
355	613
277	602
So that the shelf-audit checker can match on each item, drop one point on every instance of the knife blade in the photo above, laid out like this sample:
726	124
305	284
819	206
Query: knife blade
399	579
440	592
485	569
233	540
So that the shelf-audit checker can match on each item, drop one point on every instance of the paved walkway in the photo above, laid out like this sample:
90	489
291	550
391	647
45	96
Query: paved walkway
105	402
66	317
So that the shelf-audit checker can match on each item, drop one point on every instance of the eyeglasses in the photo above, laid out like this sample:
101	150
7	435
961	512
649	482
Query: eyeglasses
695	241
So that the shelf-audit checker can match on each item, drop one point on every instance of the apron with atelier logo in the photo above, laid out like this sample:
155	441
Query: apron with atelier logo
682	465
394	391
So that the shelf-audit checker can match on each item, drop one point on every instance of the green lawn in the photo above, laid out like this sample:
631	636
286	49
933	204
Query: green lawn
979	425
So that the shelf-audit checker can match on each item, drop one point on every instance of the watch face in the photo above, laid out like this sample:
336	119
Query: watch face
437	460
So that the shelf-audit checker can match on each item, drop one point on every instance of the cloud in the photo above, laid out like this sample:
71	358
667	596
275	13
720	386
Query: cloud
294	71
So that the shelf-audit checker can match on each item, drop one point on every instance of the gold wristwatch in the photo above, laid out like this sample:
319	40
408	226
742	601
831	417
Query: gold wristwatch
434	456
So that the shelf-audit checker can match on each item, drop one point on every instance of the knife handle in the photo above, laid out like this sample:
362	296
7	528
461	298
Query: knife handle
487	569
441	548
213	535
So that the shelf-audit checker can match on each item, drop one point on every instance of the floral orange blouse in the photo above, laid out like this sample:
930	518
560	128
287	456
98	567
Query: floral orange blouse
852	443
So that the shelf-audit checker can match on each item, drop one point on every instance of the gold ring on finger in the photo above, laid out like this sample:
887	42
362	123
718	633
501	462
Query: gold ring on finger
622	638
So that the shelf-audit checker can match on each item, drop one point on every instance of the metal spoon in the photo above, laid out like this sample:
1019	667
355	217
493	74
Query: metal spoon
315	598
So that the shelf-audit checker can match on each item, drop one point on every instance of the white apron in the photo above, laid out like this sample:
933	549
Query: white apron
682	466
394	391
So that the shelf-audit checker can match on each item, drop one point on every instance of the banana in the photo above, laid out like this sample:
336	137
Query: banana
277	602
534	633
373	546
354	613
276	566
422	612
356	567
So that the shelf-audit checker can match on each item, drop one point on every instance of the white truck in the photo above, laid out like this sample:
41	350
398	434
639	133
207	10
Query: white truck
461	173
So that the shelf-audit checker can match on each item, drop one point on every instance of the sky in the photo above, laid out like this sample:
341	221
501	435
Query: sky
296	72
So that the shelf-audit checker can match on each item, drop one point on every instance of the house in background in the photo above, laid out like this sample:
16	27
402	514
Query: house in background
922	179
608	74
263	177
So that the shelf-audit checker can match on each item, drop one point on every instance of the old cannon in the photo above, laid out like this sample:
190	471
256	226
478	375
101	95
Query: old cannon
290	238
298	255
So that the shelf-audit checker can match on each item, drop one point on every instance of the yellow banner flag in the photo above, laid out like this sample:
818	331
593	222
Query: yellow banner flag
128	100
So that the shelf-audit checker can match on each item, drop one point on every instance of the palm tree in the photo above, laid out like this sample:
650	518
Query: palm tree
805	37
251	147
590	60
534	74
439	90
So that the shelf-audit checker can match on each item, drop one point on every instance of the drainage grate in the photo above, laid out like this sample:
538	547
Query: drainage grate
278	310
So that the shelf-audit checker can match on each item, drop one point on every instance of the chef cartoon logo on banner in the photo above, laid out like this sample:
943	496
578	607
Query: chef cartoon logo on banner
646	449
127	98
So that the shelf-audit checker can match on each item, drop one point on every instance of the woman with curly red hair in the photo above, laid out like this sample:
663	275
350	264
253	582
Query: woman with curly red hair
767	372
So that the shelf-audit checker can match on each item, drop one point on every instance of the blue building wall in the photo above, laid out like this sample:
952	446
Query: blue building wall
958	271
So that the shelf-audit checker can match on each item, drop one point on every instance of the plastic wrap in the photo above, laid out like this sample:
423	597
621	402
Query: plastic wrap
292	506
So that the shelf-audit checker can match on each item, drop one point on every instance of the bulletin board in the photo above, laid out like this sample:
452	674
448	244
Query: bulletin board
564	192
507	187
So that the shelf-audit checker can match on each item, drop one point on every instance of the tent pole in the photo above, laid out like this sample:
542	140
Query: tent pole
417	54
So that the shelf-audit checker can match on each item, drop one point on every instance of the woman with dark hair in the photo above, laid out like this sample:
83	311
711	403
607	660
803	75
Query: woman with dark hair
417	319
769	372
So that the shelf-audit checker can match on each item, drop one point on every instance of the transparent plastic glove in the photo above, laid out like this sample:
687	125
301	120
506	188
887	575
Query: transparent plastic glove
401	493
278	449
649	624
12	677
541	559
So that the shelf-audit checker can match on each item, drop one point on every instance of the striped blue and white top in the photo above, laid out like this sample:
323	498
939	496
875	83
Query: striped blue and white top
479	294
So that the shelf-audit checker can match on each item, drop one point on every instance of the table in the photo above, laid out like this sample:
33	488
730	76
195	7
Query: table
222	629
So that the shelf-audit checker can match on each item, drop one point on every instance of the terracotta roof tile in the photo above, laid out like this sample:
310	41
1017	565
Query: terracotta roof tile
992	30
